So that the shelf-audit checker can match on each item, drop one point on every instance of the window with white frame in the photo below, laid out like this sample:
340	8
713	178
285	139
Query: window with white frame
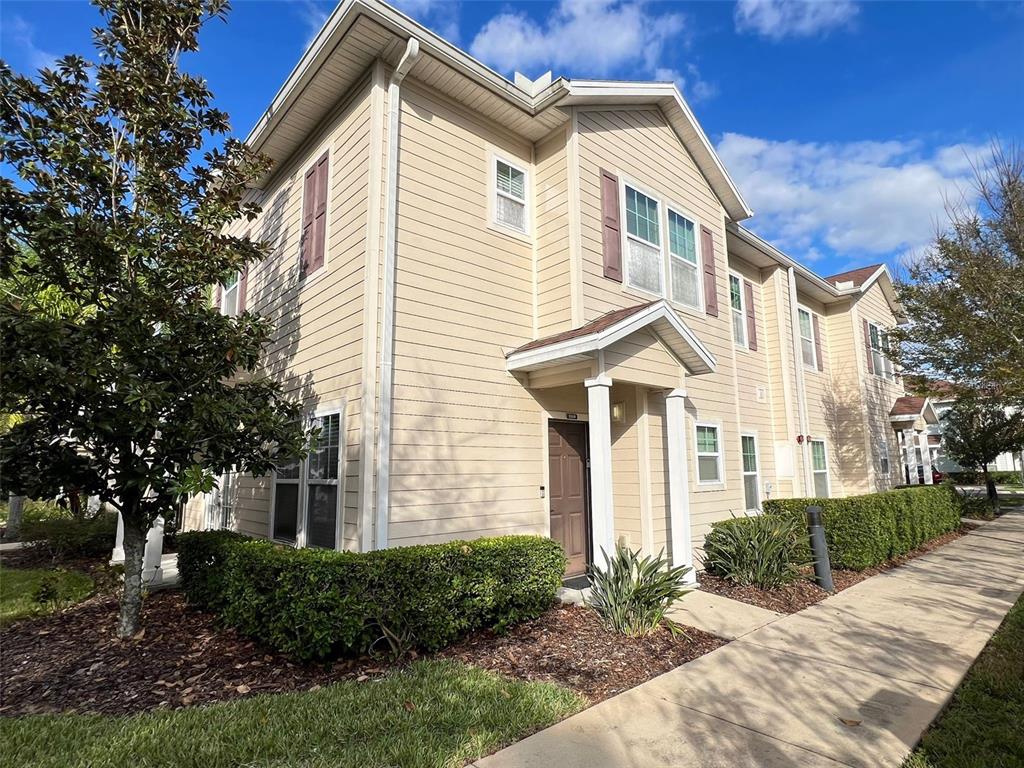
739	318
307	494
684	274
819	468
229	296
807	347
880	362
220	503
510	189
883	457
709	454
751	477
643	242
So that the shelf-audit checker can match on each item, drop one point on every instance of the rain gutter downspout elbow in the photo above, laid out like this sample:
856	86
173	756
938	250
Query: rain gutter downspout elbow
387	350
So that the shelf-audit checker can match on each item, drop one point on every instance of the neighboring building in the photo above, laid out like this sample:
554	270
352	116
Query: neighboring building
1005	462
530	307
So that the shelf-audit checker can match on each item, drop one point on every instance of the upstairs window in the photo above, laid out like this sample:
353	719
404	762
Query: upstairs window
510	209
739	317
807	350
229	296
880	362
684	274
643	242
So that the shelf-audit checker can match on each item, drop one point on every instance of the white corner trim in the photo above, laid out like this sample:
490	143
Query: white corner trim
387	351
679	481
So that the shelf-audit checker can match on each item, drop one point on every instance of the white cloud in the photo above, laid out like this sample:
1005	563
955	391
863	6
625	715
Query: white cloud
313	15
441	16
856	198
22	37
591	38
778	19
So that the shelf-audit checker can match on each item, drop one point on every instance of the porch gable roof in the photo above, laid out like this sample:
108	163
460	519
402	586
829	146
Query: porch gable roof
604	331
908	408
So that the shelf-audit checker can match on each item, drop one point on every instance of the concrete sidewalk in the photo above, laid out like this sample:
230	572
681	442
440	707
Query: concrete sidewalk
853	681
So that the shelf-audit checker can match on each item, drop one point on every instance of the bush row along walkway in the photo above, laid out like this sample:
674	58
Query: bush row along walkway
853	680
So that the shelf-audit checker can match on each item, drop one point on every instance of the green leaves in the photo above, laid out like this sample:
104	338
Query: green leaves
632	593
764	550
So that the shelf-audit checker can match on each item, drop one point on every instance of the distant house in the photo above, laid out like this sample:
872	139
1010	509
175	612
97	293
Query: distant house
531	307
1005	462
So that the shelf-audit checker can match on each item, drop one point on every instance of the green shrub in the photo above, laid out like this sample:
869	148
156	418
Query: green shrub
864	531
968	477
632	594
765	551
976	505
33	511
202	556
311	603
71	537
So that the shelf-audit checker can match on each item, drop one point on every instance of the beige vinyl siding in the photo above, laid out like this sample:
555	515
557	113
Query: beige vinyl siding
781	379
845	410
551	193
643	358
316	347
466	456
626	469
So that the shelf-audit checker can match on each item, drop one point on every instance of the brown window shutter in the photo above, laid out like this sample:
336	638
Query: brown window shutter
320	215
611	230
817	342
308	207
707	250
867	346
243	286
748	289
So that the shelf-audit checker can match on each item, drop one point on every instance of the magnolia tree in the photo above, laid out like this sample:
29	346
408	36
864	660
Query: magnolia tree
119	182
975	431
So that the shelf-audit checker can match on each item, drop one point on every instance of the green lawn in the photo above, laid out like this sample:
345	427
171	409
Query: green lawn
18	587
984	724
433	714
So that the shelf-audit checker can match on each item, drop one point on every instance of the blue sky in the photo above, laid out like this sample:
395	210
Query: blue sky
845	124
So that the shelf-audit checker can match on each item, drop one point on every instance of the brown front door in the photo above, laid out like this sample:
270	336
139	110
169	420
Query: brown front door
567	460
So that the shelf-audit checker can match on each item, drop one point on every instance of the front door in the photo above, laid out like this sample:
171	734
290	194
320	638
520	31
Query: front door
567	462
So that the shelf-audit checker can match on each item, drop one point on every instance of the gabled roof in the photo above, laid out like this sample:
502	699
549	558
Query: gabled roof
359	32
909	407
855	278
611	327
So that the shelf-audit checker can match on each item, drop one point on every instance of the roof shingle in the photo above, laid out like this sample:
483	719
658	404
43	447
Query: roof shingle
594	326
857	276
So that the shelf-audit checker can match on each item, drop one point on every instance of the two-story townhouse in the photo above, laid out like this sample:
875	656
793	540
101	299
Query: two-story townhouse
529	307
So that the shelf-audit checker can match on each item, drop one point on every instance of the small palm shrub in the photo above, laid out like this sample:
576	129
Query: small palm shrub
761	551
632	594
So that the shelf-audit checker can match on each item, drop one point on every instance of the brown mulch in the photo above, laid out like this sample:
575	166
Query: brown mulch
72	661
569	646
804	593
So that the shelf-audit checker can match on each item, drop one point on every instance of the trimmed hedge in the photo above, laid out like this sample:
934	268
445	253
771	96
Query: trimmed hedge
1001	477
73	537
864	531
311	603
202	556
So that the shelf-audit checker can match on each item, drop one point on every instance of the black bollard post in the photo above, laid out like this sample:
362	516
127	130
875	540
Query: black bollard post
819	550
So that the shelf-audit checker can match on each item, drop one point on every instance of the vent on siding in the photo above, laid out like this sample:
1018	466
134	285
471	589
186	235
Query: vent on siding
762	394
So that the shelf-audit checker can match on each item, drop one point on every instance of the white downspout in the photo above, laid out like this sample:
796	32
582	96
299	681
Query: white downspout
387	346
801	394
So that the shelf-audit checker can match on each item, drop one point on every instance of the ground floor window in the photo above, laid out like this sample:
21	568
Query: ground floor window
883	457
709	454
819	465
220	503
751	481
307	495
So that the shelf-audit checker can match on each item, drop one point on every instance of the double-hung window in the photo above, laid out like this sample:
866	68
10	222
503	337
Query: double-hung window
684	275
510	189
807	350
751	480
709	454
880	362
883	457
819	467
229	295
643	242
307	494
739	317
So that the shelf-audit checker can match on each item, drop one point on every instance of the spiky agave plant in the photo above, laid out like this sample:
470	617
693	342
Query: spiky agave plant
632	593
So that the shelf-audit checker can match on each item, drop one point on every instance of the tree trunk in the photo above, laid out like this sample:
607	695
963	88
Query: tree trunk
990	484
135	531
15	505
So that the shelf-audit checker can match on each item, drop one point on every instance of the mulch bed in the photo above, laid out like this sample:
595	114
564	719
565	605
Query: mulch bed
804	593
569	646
73	661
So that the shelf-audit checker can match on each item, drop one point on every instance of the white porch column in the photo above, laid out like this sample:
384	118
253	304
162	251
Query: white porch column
679	481
602	512
152	570
909	459
117	556
926	456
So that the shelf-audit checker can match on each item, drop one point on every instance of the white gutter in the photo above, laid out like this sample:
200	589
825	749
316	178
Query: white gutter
387	332
801	393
